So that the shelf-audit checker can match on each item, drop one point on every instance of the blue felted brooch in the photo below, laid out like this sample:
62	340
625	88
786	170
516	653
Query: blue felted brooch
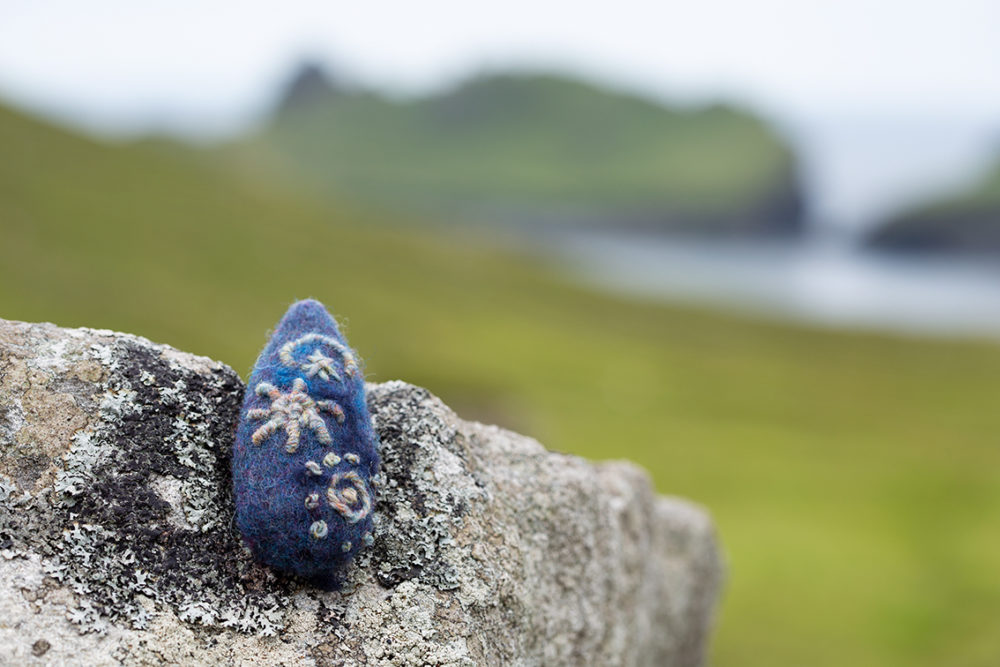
305	451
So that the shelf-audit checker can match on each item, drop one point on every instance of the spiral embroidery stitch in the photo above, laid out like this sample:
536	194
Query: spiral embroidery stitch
305	451
353	502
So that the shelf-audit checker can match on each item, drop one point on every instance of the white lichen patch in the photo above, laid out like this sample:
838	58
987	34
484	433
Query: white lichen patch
84	455
169	489
11	420
118	404
51	355
8	490
104	355
193	362
412	637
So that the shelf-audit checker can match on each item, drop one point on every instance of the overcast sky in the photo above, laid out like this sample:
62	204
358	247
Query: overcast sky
189	63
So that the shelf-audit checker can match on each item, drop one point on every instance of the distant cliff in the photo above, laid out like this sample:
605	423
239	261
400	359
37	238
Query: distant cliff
967	223
529	149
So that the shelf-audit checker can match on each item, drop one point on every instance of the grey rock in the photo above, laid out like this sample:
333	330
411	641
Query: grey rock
117	544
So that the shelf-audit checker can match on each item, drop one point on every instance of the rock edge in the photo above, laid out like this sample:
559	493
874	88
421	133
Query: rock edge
117	544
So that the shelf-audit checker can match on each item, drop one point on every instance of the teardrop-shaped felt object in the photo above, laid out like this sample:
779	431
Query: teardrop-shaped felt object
305	451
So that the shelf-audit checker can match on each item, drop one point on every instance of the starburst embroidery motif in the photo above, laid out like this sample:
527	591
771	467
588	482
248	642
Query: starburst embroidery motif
318	363
321	365
292	411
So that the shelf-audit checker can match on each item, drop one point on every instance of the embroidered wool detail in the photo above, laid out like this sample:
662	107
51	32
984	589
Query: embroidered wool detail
321	365
292	412
318	530
304	410
353	502
318	363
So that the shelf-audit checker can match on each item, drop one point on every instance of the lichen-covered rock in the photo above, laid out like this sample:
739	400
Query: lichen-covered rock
117	544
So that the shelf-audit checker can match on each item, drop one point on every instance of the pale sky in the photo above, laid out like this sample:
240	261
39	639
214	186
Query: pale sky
204	65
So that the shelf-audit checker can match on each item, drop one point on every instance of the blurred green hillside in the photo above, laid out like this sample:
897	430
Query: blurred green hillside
855	479
534	148
966	222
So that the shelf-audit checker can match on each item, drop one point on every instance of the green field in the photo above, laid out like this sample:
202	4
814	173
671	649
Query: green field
855	479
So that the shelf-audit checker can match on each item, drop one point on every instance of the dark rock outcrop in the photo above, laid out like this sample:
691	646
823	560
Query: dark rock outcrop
970	232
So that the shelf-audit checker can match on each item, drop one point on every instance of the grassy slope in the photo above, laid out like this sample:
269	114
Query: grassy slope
531	142
855	479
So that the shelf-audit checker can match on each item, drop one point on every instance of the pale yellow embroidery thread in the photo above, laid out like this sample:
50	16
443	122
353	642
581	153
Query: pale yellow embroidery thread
317	363
353	502
292	411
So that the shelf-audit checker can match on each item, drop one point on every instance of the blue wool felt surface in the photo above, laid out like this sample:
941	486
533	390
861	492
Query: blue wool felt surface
305	451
